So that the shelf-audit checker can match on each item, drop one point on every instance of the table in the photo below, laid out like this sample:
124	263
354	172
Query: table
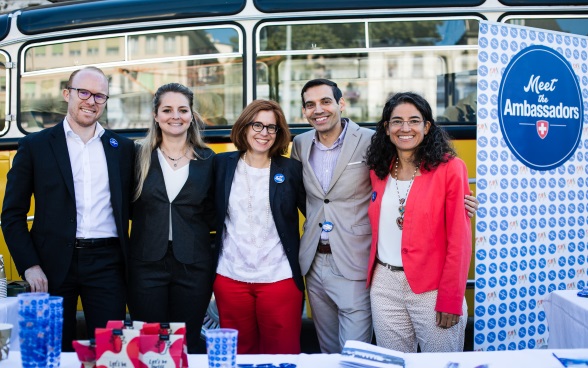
9	314
567	317
497	359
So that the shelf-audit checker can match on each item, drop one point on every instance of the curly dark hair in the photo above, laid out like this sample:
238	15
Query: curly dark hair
435	148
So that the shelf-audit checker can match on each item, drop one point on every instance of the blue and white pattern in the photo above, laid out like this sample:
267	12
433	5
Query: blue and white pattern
531	225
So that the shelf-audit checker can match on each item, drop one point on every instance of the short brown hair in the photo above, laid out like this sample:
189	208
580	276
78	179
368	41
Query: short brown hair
239	131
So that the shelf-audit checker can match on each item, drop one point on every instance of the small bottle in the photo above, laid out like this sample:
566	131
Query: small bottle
2	278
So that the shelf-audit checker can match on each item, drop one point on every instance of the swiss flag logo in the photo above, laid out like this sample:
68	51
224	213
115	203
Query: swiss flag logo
542	128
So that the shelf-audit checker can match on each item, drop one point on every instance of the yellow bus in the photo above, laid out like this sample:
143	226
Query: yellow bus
233	51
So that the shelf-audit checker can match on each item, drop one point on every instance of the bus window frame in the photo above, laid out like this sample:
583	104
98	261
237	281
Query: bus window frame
367	49
366	21
241	54
7	113
126	35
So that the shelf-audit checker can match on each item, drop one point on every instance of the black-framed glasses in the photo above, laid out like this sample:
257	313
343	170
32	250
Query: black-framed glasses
398	123
84	94
258	127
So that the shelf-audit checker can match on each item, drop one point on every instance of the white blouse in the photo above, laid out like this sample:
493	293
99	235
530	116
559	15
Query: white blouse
389	235
174	181
252	250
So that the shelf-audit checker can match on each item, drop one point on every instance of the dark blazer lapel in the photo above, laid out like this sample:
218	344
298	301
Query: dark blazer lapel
112	153
232	161
305	156
275	168
59	146
157	173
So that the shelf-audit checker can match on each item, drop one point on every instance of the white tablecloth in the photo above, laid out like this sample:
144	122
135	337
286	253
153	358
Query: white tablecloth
567	316
498	359
9	314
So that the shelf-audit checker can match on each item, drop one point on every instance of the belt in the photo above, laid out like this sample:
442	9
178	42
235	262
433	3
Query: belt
95	243
324	248
389	266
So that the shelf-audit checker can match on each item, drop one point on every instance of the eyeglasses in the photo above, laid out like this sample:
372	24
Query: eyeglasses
398	123
258	127
84	94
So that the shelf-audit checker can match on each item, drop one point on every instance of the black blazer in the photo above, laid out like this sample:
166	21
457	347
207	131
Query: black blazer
285	200
192	215
42	168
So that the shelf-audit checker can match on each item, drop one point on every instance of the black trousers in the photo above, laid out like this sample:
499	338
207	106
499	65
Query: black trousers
170	291
96	275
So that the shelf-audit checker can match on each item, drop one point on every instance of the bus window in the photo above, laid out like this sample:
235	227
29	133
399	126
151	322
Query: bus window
571	24
312	36
434	57
181	43
207	60
78	53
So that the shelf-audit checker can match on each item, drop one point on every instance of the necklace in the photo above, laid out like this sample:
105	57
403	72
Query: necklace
401	207
250	206
174	160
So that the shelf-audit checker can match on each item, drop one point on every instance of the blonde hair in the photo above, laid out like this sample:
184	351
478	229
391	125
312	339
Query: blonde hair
153	139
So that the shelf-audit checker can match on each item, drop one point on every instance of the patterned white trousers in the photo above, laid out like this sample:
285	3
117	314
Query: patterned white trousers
403	319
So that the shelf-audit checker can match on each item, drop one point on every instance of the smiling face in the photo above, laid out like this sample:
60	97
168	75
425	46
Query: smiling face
261	142
321	109
84	113
406	138
173	114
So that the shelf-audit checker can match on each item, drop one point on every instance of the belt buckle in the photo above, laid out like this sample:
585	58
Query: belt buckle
78	244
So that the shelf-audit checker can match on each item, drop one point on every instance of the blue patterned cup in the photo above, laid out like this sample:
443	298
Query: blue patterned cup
221	347
33	313
54	331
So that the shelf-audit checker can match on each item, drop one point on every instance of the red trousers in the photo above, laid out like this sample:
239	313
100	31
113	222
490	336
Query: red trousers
268	316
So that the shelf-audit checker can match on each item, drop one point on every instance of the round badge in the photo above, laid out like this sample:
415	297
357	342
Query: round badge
327	226
540	108
279	178
374	196
113	142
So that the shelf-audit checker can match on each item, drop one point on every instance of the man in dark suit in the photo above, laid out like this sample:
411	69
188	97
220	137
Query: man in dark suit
81	177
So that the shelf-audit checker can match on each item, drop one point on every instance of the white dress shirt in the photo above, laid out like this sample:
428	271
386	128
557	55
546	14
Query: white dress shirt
91	185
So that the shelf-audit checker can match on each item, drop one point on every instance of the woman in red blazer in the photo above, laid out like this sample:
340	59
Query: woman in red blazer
421	235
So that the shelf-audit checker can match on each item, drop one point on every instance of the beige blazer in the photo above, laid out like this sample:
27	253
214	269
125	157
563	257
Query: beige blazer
345	204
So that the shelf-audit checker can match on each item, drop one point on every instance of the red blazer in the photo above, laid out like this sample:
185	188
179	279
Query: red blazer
437	238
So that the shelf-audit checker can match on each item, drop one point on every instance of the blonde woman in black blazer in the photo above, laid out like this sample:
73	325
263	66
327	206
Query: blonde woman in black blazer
258	286
171	266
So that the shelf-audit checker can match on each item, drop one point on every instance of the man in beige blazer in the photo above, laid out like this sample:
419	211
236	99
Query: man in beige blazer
334	248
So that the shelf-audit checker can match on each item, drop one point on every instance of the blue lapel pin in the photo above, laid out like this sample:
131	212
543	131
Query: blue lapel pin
113	142
374	196
279	178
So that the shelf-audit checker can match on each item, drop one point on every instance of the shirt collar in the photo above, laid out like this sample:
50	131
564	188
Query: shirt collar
98	131
337	142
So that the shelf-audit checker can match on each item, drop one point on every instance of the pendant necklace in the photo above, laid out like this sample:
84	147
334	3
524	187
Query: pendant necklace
174	160
250	206
401	207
